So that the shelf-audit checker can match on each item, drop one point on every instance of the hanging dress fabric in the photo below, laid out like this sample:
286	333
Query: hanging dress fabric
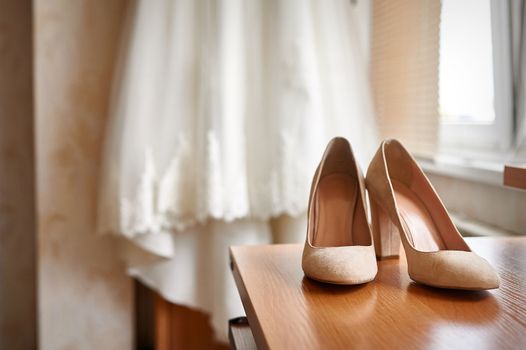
219	115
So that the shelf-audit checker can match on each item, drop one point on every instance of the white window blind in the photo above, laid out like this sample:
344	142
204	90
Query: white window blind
404	71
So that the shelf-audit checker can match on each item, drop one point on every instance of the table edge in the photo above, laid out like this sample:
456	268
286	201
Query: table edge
253	321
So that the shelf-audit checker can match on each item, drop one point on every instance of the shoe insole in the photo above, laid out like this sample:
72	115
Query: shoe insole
422	231
335	203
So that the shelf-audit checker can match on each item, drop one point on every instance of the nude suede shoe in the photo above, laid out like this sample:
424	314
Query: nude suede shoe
406	208
339	246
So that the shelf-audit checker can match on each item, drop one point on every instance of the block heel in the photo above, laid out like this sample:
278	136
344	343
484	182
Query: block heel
386	236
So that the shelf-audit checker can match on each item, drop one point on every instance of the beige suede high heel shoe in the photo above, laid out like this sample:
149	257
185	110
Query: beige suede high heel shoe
404	206
338	248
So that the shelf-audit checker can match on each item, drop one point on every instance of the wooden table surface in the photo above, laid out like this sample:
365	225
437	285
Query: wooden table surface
289	311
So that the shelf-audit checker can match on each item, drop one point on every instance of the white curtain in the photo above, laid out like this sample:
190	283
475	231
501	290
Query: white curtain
220	112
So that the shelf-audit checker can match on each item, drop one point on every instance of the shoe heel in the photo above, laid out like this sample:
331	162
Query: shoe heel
385	234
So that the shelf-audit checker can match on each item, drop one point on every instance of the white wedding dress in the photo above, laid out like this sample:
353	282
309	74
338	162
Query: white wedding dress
220	112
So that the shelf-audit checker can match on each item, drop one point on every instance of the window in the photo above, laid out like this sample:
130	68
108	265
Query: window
475	98
442	81
466	63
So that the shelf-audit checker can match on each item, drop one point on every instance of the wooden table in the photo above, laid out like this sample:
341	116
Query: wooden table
286	310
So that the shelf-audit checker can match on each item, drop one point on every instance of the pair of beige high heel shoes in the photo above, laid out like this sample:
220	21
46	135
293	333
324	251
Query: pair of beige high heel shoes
341	247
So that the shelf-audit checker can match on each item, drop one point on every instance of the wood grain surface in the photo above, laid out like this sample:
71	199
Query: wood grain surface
288	311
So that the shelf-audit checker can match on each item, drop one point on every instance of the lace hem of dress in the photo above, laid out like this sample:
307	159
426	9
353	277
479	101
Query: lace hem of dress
177	201
135	222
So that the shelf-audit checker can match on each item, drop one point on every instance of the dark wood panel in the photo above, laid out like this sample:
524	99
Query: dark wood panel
162	325
144	317
18	271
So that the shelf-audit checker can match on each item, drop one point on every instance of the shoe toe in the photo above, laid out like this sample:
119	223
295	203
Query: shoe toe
340	265
457	270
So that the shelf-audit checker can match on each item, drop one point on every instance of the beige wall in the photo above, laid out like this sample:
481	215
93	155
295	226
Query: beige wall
17	192
85	298
494	205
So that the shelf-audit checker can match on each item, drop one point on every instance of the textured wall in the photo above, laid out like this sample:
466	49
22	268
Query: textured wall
85	298
17	190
